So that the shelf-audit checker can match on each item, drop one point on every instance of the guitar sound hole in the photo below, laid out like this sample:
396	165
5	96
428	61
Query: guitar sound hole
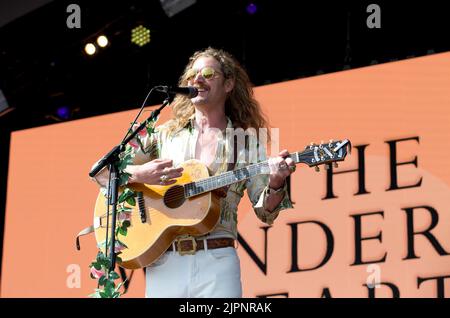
174	197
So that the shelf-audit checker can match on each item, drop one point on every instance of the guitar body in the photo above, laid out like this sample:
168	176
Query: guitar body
148	240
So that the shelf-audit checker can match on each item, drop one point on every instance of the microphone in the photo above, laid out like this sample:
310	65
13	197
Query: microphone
189	91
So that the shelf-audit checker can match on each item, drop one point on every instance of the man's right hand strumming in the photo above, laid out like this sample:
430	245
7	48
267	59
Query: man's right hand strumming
158	171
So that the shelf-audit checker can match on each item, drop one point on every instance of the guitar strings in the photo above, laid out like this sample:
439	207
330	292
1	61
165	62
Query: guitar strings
208	182
224	177
251	169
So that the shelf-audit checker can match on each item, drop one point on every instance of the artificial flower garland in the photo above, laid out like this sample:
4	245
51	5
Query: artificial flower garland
100	267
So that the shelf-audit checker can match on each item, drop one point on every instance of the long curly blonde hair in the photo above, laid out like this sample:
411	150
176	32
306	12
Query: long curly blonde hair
240	106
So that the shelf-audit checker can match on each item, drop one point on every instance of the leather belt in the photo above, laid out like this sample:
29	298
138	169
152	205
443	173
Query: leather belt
189	245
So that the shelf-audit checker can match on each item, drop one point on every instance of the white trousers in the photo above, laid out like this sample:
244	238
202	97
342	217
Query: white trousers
213	273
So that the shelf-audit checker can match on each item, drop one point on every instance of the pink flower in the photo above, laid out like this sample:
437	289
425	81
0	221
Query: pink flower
123	216
97	273
118	248
142	132
133	143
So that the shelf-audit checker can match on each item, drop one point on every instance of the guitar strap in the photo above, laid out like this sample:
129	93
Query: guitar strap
83	232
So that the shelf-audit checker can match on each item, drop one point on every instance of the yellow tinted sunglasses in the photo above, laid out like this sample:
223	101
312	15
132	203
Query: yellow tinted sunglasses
206	72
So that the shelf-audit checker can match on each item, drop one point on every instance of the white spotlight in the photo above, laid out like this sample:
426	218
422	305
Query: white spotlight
90	49
102	41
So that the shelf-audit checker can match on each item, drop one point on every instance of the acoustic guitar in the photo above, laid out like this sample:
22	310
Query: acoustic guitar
189	206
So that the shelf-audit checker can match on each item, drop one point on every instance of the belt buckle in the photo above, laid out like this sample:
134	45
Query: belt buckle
188	252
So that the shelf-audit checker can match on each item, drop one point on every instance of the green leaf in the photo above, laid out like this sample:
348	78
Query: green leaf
126	224
123	209
113	275
127	160
103	295
131	201
100	255
105	262
150	129
110	286
97	266
122	165
102	281
127	157
122	231
127	193
124	177
109	291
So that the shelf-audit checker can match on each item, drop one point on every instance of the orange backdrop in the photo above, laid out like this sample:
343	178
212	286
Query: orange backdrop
50	196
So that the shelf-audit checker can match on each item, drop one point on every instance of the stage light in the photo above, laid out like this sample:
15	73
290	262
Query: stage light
90	49
102	41
140	35
251	8
63	112
172	7
4	106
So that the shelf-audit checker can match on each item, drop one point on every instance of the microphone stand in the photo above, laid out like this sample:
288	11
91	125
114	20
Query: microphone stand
111	159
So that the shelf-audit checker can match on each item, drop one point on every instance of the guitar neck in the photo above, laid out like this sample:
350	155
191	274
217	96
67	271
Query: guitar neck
234	176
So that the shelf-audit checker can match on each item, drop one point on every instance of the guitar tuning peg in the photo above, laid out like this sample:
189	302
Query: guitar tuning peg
317	168
336	164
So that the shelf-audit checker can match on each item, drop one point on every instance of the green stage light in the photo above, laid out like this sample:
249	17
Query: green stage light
140	35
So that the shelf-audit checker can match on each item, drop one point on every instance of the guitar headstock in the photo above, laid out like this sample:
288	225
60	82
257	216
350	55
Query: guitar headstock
325	153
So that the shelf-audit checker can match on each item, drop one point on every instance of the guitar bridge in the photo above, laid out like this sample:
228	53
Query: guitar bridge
141	206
